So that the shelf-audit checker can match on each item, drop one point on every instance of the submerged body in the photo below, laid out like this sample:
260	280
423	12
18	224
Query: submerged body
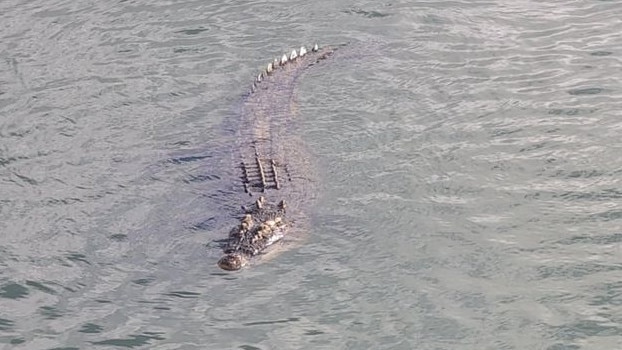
272	163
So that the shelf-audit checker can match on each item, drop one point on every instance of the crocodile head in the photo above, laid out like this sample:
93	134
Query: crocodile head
233	261
259	228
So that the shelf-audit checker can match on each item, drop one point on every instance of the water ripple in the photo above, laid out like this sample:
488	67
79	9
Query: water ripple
468	158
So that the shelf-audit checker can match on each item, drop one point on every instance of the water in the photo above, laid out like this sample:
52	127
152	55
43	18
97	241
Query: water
468	163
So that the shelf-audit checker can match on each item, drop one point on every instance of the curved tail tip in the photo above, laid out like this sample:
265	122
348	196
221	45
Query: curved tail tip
281	62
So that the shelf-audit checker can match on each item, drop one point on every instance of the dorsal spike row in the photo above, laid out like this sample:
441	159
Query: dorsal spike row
281	62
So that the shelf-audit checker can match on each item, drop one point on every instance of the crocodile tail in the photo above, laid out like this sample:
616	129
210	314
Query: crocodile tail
300	59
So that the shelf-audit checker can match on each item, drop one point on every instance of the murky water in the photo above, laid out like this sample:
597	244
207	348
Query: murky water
468	160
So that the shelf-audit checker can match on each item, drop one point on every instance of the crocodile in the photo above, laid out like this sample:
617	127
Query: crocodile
272	164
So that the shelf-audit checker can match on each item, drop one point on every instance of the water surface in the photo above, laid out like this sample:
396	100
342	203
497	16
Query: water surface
468	172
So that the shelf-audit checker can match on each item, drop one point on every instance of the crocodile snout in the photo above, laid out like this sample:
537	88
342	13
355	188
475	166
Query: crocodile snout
232	262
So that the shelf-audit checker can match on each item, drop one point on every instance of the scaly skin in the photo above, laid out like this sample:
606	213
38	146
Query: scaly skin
260	227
